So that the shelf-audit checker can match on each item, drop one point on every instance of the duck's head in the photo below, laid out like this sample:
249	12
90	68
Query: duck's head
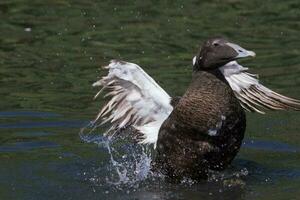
217	52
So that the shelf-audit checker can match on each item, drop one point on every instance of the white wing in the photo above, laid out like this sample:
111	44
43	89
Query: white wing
252	95
135	100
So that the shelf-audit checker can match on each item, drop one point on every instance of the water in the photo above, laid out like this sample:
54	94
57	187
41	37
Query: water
51	52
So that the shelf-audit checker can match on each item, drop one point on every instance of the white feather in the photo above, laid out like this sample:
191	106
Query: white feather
136	100
252	95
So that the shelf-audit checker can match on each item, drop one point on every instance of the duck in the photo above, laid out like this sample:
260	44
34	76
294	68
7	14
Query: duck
202	130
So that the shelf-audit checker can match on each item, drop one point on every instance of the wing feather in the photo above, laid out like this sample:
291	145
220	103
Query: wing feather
252	95
135	100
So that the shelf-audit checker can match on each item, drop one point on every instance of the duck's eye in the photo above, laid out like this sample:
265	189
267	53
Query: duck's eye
216	44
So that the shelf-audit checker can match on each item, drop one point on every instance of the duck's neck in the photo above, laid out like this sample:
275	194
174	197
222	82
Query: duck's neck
208	77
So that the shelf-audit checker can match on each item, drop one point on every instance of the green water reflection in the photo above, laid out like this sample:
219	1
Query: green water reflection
51	52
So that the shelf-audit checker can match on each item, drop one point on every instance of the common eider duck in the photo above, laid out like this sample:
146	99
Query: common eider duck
200	131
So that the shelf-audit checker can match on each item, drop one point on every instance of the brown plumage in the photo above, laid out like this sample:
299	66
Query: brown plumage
204	131
206	128
200	131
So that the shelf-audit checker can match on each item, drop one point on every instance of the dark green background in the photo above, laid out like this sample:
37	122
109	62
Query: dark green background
51	52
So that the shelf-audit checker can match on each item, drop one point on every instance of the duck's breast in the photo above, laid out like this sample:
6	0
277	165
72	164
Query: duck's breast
204	131
208	106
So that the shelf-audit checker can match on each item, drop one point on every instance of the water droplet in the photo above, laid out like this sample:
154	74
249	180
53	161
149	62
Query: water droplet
28	29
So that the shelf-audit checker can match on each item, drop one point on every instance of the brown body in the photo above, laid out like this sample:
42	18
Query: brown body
204	131
206	126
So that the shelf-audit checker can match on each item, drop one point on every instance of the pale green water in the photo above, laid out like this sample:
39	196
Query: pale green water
50	54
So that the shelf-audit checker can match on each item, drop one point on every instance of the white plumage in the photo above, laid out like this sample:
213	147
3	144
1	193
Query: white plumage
137	100
252	95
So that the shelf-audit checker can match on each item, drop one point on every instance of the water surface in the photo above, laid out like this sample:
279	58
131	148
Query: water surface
51	53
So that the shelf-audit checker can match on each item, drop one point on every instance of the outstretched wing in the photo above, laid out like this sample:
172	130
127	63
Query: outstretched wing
135	100
252	95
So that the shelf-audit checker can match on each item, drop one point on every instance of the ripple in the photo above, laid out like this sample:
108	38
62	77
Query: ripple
28	114
270	146
32	134
65	124
25	146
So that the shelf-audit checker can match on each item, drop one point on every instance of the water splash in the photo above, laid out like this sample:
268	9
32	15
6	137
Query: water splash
129	163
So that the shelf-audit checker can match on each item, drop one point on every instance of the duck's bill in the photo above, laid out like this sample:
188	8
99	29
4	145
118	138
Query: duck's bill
241	52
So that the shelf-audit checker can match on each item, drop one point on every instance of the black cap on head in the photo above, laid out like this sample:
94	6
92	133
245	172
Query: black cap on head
216	52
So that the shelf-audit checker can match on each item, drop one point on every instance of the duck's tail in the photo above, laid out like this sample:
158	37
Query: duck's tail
135	100
252	95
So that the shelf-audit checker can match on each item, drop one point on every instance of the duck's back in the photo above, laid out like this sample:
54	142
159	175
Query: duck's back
204	131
